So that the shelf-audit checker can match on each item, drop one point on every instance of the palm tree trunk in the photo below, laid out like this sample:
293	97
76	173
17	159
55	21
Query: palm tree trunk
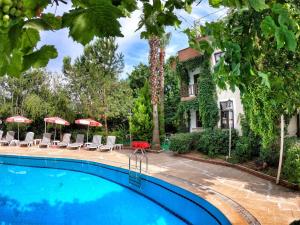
154	81
162	87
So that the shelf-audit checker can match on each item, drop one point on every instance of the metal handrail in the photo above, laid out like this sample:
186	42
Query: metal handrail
138	161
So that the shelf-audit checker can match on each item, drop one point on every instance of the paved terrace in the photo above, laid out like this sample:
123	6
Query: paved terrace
234	192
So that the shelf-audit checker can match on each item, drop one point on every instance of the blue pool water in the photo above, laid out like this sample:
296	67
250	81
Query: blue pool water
34	196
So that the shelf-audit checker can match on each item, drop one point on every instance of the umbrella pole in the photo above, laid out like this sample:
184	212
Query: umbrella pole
55	133
87	135
45	127
18	133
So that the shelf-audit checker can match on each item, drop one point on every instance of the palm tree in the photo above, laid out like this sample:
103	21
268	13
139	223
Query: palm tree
154	44
164	41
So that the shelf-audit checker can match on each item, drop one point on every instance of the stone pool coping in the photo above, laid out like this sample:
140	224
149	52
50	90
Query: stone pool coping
282	182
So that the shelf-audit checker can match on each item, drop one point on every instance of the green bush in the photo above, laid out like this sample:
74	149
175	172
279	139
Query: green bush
242	151
181	143
291	166
254	141
216	141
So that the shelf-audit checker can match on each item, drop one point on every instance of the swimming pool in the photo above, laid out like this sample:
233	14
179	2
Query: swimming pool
36	190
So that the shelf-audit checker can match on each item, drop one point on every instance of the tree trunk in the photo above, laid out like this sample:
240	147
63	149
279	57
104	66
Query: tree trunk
155	137
281	149
162	87
105	125
154	81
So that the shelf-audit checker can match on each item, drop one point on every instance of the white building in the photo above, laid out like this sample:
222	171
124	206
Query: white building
229	103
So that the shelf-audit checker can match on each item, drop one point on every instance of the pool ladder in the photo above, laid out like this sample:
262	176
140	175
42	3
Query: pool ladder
135	170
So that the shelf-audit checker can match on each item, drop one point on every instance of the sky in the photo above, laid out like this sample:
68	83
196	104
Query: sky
134	48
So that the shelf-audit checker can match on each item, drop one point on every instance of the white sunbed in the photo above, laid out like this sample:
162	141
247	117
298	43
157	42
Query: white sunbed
66	141
8	138
78	143
28	140
95	144
110	144
46	141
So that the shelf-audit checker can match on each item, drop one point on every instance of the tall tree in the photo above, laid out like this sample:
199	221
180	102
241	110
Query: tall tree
138	76
141	124
93	81
164	42
154	80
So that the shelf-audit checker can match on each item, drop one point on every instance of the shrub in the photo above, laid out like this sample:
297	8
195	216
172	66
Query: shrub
254	141
291	166
181	143
216	141
242	151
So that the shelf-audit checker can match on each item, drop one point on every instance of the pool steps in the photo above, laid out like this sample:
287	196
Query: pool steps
135	170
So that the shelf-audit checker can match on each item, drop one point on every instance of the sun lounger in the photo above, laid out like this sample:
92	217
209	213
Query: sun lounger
28	140
110	144
8	138
65	141
96	143
1	134
78	143
46	141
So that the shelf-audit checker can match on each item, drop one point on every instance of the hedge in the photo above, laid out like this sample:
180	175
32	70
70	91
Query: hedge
181	143
211	141
291	165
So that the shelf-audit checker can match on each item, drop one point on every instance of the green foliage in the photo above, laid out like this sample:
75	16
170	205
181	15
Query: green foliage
36	107
99	92
242	151
181	143
182	68
211	141
138	76
291	166
207	95
216	141
141	121
261	45
254	140
171	98
92	18
31	95
206	102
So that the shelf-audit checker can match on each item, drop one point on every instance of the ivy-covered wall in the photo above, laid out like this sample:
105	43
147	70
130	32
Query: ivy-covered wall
207	95
206	101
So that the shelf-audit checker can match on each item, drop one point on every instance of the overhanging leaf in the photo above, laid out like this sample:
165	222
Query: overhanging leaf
280	37
98	19
14	68
290	39
39	58
31	6
46	22
265	79
258	5
268	26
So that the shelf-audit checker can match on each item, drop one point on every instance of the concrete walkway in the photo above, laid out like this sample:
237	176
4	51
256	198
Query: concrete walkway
243	198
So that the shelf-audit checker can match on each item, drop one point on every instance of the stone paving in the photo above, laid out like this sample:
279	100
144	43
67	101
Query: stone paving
234	192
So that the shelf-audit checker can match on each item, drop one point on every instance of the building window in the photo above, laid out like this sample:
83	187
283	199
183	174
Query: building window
218	56
227	114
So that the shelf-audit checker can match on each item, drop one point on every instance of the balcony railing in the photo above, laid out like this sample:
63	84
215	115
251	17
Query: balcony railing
189	90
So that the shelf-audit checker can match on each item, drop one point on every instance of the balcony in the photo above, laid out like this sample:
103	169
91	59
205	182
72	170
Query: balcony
188	92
